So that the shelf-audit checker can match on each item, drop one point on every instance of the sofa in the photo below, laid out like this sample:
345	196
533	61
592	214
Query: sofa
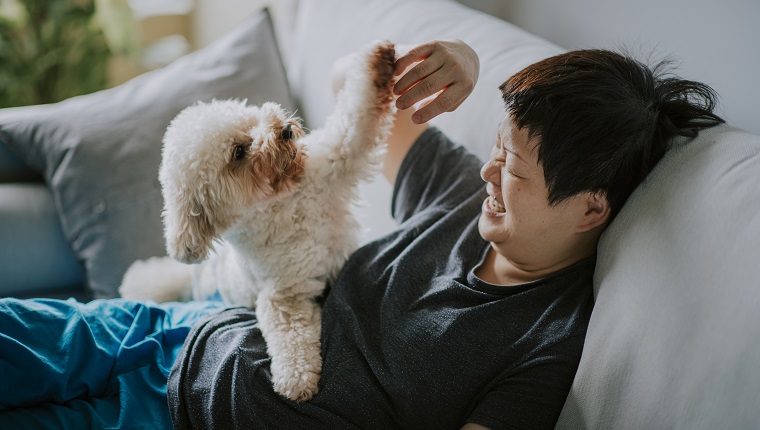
672	338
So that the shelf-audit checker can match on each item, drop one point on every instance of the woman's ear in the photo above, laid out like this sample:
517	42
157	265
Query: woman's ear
597	211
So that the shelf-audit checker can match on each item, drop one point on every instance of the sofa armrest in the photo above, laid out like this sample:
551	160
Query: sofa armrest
35	258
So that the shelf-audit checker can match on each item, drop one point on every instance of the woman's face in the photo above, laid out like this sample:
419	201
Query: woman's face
516	216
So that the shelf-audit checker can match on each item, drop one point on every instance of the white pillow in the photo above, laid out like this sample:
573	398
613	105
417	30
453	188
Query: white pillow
673	339
329	29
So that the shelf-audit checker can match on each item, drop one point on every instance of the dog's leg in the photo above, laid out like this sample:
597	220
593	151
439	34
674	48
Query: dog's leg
291	325
350	146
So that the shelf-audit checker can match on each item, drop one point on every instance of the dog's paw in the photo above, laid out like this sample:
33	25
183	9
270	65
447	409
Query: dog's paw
381	61
297	386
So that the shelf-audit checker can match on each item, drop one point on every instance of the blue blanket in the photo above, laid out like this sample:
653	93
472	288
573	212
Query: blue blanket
103	364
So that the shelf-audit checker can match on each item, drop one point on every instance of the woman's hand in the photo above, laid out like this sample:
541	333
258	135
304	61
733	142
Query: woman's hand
447	70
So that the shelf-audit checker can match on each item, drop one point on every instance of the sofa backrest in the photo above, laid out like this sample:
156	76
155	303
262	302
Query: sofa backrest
326	30
672	339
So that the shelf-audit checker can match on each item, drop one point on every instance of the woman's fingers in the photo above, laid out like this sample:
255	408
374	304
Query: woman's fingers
447	101
418	73
446	70
418	53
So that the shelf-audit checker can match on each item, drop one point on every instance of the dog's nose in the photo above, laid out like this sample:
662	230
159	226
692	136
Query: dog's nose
287	133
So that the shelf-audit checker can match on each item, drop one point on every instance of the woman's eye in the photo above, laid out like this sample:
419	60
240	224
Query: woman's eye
239	153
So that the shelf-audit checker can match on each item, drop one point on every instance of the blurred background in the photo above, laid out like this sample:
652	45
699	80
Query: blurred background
54	49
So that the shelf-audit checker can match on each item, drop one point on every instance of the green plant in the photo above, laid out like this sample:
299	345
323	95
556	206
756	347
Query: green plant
51	50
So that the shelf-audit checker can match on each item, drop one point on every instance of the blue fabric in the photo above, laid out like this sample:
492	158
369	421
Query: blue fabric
102	364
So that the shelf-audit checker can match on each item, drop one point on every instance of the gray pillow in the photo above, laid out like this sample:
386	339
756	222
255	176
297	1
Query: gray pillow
99	153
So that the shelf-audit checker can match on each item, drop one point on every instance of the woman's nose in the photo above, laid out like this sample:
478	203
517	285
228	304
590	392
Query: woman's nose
488	171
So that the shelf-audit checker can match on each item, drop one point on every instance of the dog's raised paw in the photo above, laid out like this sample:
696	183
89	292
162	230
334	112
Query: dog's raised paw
381	62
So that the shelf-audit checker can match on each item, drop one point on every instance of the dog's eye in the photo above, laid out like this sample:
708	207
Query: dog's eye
287	133
239	152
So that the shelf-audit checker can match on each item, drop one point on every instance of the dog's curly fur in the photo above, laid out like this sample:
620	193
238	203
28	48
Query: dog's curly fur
279	200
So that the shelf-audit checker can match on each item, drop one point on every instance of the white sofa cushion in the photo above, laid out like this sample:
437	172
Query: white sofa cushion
329	29
673	339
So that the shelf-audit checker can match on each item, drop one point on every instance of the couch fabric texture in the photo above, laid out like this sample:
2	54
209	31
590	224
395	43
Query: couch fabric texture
35	258
672	342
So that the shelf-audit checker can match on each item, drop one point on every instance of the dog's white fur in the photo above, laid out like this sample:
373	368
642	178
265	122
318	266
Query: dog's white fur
283	210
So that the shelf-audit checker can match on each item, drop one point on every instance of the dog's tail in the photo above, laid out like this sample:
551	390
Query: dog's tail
160	279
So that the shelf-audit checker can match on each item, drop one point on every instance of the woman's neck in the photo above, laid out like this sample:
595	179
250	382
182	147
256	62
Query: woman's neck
499	270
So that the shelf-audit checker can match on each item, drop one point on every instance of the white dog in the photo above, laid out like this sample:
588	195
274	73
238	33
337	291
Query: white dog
281	203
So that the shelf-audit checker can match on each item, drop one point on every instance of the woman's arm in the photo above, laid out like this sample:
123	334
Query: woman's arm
403	135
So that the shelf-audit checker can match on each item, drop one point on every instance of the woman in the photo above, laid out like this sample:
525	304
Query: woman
472	313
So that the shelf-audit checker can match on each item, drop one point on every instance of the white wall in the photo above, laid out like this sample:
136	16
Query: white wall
212	18
714	41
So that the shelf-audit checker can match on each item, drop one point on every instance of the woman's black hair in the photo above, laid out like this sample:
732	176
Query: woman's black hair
603	119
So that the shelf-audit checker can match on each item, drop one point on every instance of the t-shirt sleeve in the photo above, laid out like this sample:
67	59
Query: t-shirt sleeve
435	171
531	396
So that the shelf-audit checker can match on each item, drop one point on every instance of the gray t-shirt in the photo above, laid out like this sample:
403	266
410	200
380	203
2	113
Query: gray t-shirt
411	338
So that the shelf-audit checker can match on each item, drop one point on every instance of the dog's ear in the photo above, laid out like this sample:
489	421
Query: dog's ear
188	228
